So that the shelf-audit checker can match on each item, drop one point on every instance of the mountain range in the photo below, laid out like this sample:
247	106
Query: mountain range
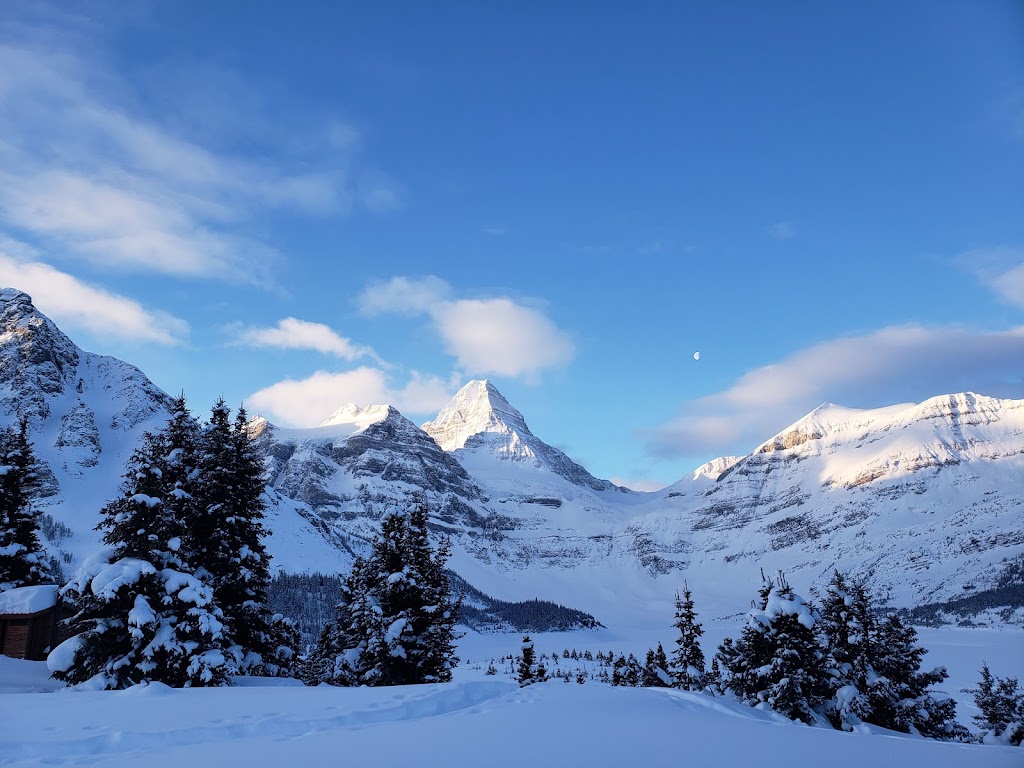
926	499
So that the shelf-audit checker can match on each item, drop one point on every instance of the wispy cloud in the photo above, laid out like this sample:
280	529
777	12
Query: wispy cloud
307	402
1001	269
782	230
292	333
497	336
73	303
895	364
404	296
84	169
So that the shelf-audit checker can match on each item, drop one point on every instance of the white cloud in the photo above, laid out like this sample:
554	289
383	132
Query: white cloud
84	169
404	295
292	333
1001	269
892	365
501	337
71	302
307	402
497	336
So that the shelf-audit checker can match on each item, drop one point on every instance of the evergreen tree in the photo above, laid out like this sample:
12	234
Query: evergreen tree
396	619
848	629
318	666
1001	702
900	699
688	658
714	676
142	614
22	559
526	673
226	542
655	672
777	661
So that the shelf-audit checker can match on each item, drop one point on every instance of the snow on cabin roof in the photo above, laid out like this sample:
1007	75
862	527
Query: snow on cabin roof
28	599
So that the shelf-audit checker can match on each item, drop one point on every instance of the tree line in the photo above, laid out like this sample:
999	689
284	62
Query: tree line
844	663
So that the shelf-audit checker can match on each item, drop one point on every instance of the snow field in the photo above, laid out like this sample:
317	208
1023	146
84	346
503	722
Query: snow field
466	723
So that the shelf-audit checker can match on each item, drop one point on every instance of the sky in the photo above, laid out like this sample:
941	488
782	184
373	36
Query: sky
295	206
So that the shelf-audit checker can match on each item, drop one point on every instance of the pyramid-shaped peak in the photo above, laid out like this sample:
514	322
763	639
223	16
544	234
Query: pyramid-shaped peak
361	416
475	409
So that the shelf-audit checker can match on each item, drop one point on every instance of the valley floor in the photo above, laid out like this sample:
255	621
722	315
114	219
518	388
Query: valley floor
477	720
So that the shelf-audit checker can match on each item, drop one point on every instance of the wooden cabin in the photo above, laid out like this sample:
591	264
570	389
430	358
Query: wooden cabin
29	618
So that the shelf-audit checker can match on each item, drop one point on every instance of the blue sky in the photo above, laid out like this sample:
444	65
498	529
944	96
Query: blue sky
300	207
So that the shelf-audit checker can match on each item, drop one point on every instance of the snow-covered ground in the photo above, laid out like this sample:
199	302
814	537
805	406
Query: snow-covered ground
476	720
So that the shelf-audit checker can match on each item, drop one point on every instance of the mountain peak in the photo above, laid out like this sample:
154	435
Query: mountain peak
361	416
14	296
478	408
480	421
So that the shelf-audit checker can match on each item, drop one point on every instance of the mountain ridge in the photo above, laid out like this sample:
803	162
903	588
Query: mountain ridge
920	497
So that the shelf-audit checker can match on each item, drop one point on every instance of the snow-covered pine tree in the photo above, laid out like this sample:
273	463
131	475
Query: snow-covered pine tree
687	668
1001	702
142	615
338	657
777	661
433	619
900	699
848	630
318	665
225	541
655	672
527	663
714	676
396	618
22	559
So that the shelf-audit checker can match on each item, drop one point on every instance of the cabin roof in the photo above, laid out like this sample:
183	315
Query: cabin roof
28	600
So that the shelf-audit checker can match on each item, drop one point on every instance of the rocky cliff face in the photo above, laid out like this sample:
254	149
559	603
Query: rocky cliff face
85	414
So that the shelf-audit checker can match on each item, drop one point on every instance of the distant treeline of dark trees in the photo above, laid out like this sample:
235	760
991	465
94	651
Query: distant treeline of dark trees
482	612
1005	597
310	600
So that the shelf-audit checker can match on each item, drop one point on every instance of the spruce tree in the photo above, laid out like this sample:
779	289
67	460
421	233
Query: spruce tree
1001	702
714	676
142	615
226	541
526	673
900	699
22	559
688	658
396	618
848	628
777	661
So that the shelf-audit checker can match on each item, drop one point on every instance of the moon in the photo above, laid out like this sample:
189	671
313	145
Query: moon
696	355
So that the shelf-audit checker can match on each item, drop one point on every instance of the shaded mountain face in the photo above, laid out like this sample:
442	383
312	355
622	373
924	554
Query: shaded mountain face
926	499
85	413
480	425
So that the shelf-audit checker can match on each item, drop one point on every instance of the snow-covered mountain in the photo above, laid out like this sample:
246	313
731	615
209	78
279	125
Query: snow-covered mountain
85	412
926	498
490	437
